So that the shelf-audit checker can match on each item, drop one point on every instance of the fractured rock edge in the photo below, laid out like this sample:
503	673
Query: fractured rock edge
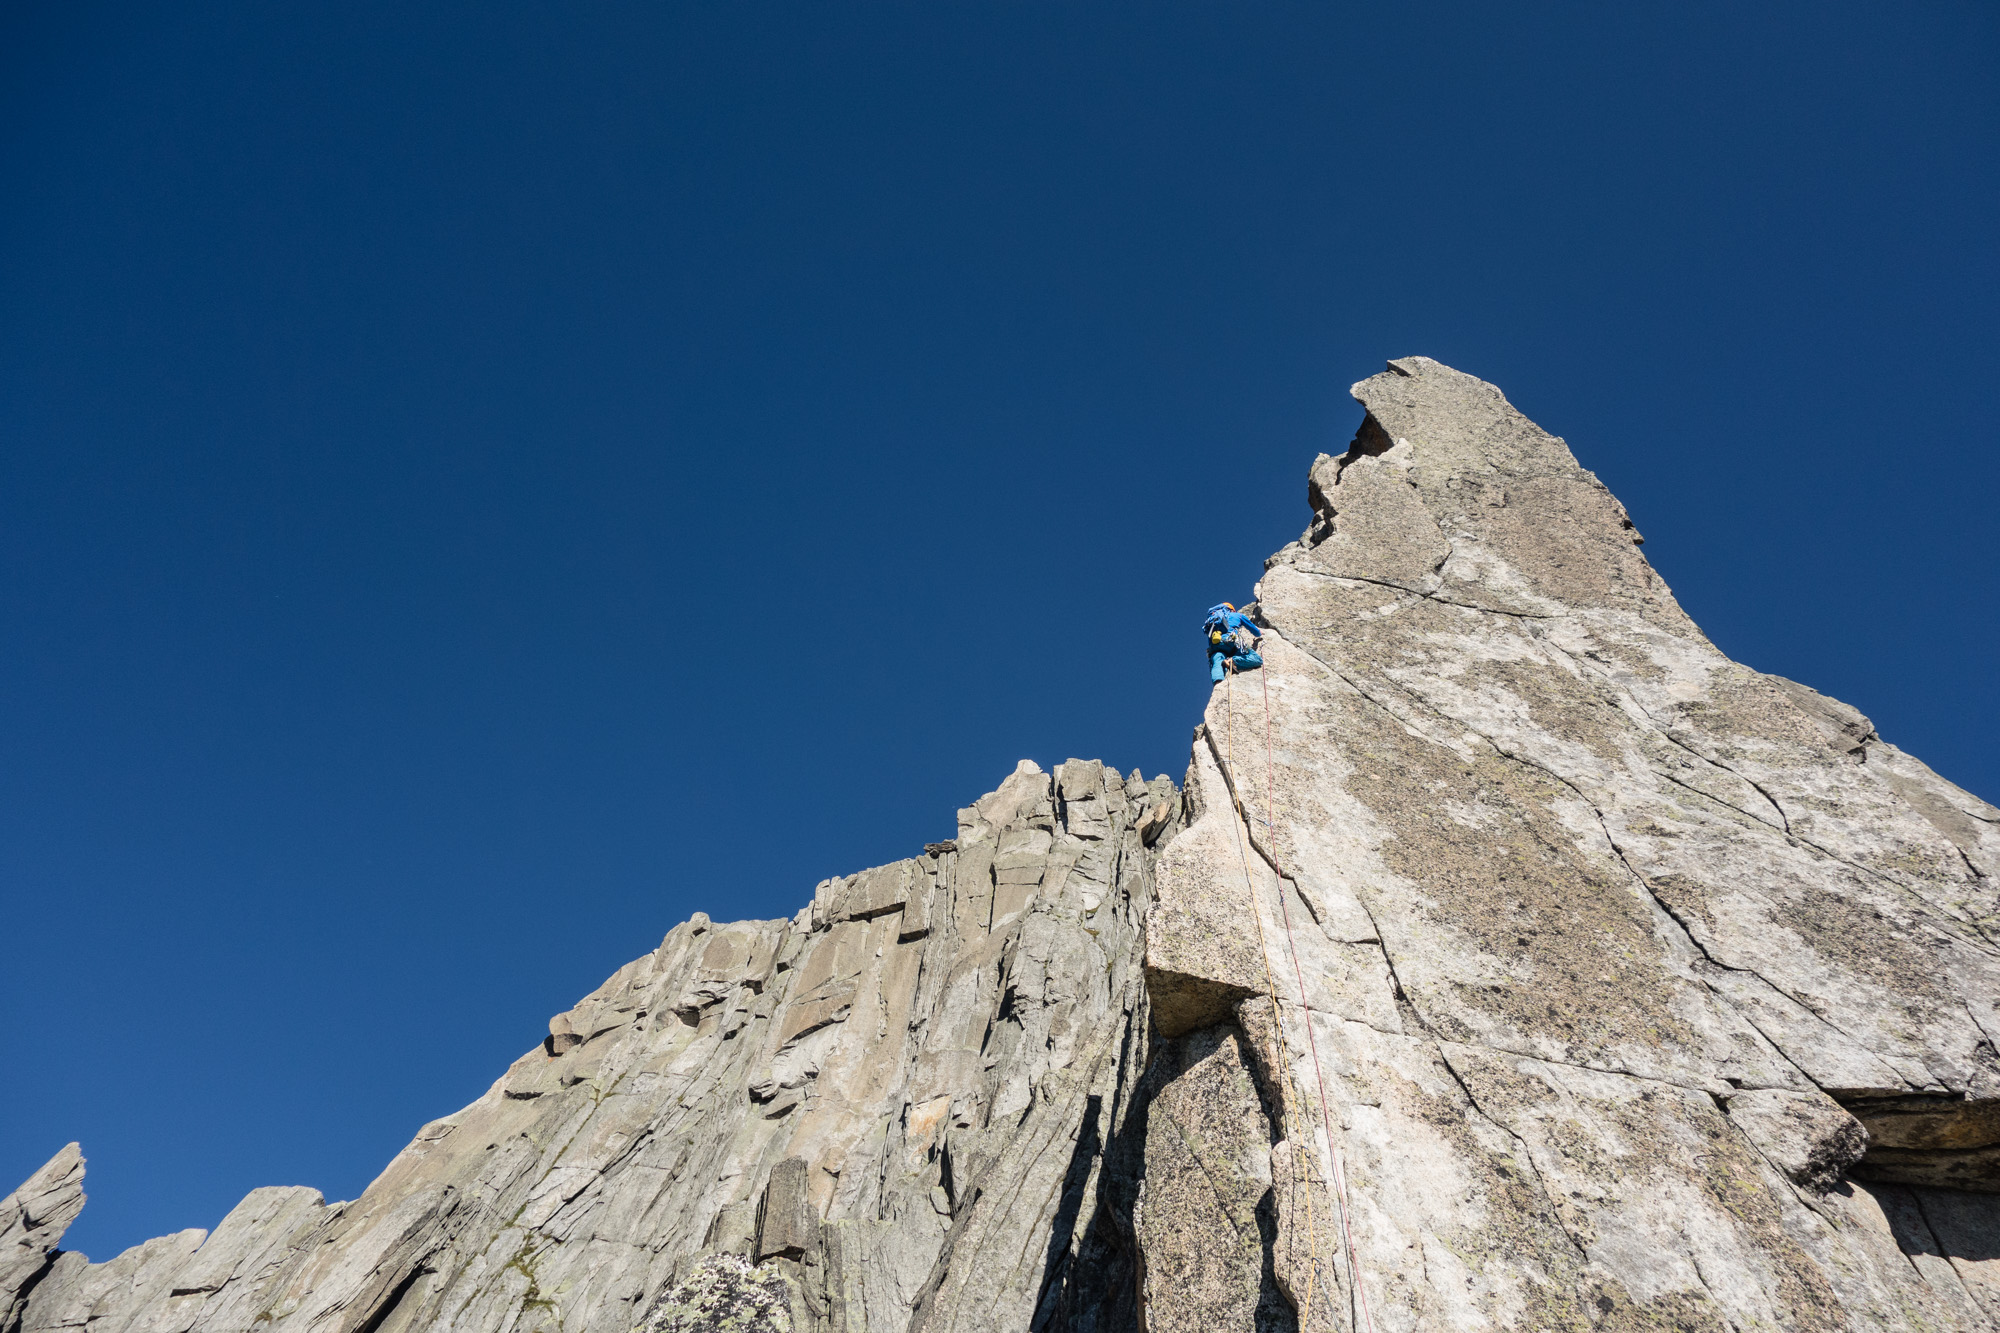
1630	986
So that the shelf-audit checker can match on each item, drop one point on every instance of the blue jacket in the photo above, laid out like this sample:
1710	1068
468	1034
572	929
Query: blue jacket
1229	621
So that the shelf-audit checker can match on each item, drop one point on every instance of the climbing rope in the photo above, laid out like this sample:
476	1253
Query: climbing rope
1366	1321
1274	1059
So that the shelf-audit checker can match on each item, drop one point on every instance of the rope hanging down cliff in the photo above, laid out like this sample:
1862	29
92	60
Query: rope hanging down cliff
1365	1320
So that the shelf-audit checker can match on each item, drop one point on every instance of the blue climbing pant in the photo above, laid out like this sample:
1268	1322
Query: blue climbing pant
1246	660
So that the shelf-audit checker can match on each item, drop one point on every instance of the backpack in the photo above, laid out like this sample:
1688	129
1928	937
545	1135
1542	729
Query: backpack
1221	638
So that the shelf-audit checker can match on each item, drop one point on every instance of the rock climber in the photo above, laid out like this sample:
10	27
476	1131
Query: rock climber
1226	649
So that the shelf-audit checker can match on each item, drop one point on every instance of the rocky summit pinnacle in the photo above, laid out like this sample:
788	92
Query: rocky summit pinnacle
1509	959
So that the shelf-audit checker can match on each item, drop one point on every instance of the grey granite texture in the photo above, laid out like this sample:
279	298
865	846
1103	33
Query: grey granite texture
1509	959
879	1102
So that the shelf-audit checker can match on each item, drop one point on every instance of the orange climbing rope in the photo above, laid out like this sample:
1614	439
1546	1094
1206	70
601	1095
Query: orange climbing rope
1291	942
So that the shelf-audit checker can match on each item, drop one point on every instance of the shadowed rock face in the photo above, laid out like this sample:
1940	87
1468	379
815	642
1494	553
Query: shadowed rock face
1624	987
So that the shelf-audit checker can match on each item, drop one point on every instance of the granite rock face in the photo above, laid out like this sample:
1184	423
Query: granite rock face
1646	989
32	1221
893	1105
1509	959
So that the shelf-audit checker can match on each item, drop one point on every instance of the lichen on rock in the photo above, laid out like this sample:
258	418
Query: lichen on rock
724	1294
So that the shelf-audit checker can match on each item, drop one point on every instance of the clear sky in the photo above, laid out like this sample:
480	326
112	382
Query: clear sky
481	482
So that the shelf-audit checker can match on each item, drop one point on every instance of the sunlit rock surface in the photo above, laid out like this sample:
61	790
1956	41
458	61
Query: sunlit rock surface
1617	986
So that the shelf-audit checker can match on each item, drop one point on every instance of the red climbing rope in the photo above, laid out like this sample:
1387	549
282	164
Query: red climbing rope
1298	971
1280	1066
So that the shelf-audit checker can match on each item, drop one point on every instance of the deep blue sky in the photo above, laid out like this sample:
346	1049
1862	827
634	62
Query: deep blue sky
477	486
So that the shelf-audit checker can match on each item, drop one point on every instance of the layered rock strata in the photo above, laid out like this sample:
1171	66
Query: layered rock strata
1509	959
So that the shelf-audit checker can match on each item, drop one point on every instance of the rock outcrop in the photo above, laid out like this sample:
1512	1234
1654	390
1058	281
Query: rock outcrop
1509	959
896	1101
32	1221
1622	955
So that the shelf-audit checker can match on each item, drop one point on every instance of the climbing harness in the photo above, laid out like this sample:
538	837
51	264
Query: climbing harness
1270	984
